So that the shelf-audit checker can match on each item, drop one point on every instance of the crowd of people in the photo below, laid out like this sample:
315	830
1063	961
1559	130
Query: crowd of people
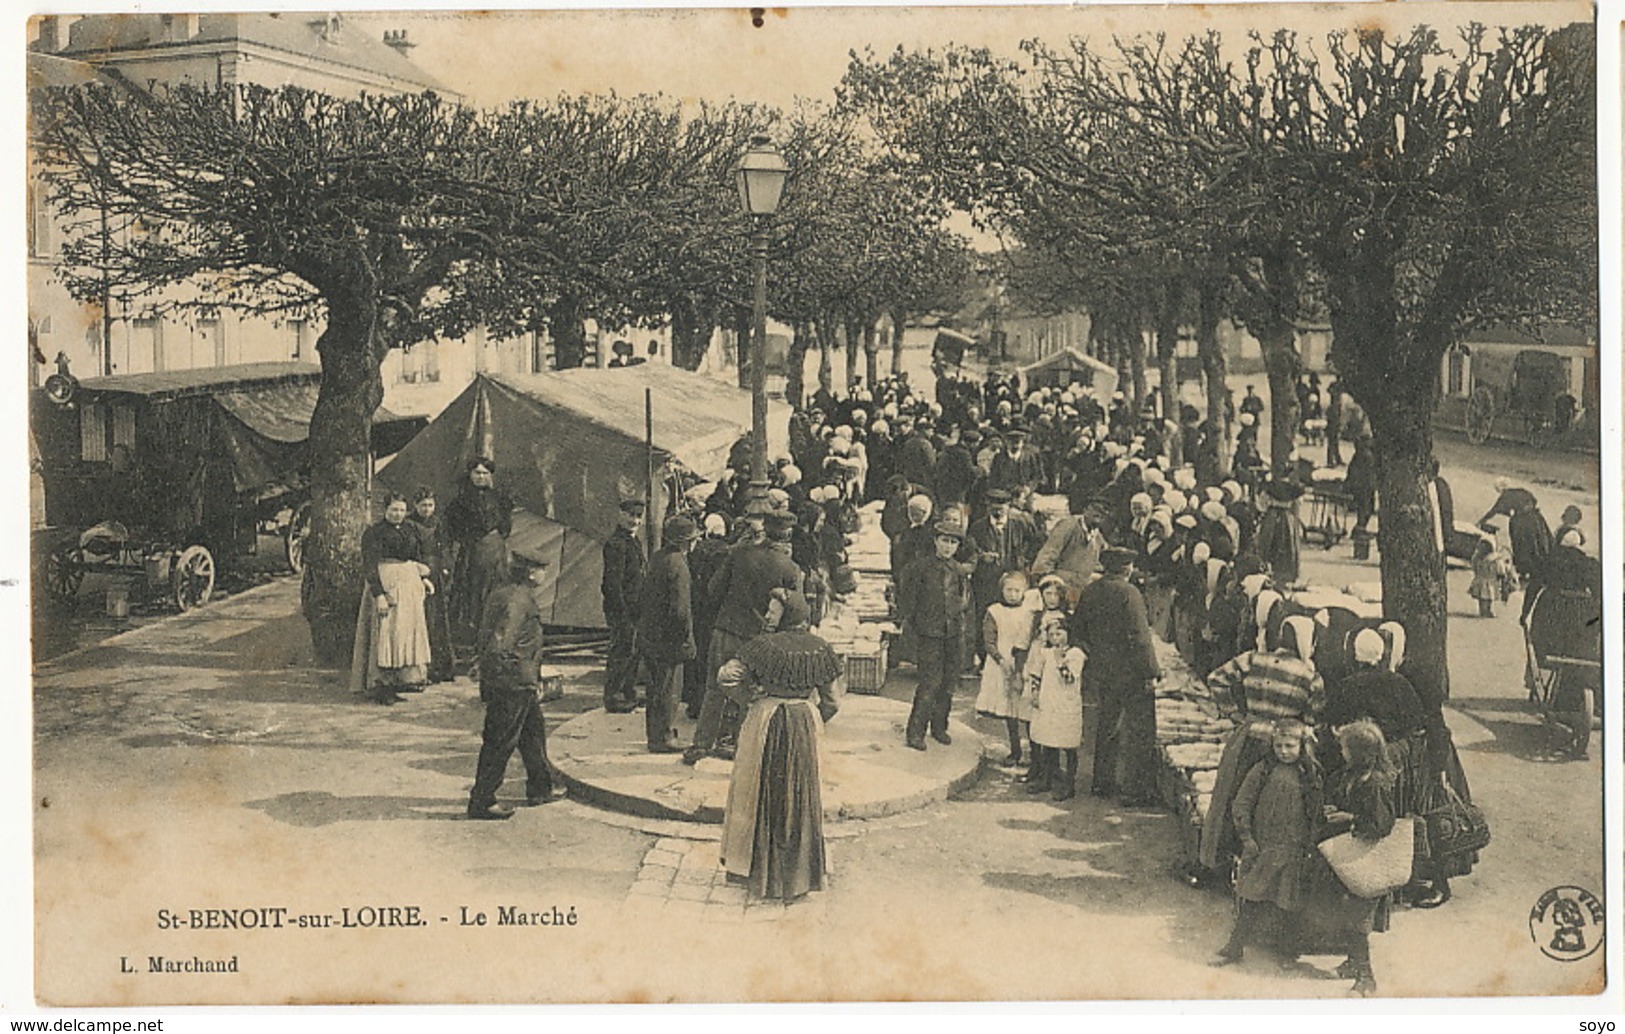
1047	605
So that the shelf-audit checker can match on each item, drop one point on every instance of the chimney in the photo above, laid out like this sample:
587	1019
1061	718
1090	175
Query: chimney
53	34
178	28
330	28
396	38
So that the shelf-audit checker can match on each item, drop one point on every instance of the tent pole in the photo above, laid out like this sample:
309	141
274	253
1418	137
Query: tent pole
655	515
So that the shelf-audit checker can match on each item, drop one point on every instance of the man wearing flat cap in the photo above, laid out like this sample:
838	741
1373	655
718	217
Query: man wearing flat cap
623	575
955	473
1110	625
933	604
666	631
1017	469
510	652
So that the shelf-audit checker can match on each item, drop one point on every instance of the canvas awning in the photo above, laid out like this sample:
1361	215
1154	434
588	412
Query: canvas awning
569	447
282	412
1070	366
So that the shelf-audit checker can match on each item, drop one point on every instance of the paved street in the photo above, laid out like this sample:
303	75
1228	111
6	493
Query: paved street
199	762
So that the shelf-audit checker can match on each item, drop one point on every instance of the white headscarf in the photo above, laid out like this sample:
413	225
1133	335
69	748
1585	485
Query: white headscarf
1299	632
1394	632
1369	647
1253	584
1263	603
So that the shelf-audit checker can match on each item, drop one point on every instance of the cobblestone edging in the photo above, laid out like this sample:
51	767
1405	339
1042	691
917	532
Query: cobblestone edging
684	880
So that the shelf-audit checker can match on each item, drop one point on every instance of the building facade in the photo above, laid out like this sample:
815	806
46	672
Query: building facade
321	52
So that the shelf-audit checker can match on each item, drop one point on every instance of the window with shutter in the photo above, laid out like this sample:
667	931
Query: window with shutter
93	433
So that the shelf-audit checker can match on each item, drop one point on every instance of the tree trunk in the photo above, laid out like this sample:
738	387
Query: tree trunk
564	323
852	329
1168	355
1396	383
1211	352
1283	365
340	476
744	353
898	319
795	370
871	354
1134	339
690	337
826	342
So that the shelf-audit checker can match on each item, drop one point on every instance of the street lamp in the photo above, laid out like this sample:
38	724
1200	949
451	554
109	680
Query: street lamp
760	175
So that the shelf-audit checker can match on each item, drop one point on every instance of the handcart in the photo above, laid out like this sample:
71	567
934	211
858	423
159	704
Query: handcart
1565	690
1325	512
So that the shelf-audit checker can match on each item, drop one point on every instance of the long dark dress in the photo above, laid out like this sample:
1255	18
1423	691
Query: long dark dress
478	522
773	827
436	554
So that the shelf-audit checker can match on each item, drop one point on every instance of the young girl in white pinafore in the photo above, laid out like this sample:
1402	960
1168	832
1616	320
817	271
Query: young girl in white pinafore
1007	629
1056	699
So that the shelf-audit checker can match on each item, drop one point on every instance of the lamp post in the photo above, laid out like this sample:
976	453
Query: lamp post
760	175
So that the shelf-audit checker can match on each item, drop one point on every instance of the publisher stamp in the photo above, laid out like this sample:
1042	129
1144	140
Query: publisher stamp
1567	923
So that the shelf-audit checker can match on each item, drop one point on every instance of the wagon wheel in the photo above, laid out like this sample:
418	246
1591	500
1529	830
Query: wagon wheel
294	539
65	570
1480	415
191	580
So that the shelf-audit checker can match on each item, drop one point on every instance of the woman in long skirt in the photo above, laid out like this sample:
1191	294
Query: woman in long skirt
478	523
773	828
391	652
436	554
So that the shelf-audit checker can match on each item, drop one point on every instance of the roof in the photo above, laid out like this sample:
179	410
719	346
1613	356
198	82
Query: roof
47	70
356	46
692	411
203	380
1072	359
1556	335
274	399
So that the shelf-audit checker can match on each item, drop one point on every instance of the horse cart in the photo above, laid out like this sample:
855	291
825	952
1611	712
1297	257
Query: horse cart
1506	384
170	479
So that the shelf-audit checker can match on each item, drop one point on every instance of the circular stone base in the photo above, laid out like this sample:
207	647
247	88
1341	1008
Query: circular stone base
868	771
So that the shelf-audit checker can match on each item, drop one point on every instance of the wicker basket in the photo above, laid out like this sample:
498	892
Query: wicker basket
866	673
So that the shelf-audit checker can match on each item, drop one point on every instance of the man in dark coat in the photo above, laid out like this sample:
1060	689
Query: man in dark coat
1017	469
999	543
623	572
917	457
1110	625
704	561
1334	424
510	652
741	592
955	472
933	604
666	631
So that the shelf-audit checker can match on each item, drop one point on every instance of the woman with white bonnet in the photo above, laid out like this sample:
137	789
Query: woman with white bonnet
1426	768
1256	689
